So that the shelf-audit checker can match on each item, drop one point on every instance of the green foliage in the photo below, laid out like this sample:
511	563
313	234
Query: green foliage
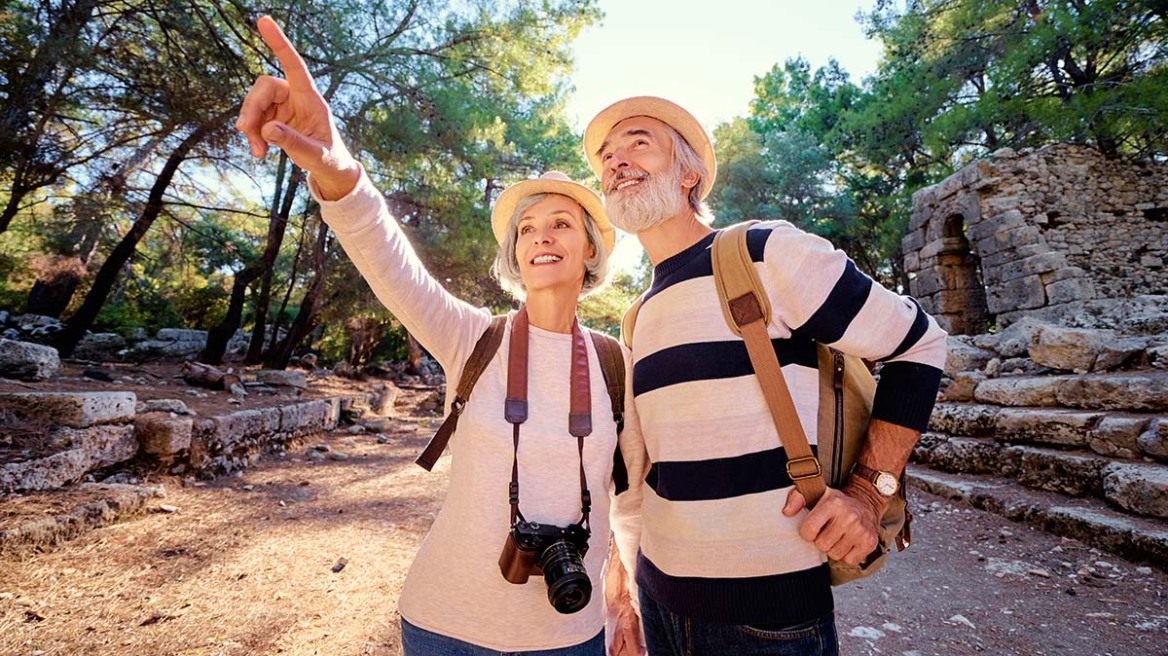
445	103
958	79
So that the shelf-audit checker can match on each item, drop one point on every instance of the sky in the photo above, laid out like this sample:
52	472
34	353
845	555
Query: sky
705	55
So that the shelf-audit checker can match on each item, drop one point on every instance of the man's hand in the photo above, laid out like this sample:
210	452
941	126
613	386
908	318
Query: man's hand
845	524
626	636
291	114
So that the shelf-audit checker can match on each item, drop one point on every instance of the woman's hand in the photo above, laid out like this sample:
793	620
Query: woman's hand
292	115
622	618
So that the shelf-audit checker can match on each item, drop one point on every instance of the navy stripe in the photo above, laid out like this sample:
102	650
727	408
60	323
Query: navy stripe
712	360
721	478
784	599
906	393
841	306
695	262
919	326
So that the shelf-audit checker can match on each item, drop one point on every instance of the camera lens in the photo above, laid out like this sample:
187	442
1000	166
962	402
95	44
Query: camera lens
569	588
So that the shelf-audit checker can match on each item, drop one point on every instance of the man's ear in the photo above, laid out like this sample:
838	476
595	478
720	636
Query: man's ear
689	180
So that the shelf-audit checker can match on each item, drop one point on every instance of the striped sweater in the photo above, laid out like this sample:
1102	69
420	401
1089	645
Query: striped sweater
706	525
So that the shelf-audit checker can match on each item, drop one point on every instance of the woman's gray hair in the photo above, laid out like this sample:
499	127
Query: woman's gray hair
506	267
686	161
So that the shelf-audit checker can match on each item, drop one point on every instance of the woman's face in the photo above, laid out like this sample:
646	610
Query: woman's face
552	245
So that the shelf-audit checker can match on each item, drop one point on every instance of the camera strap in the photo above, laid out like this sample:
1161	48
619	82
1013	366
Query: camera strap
515	405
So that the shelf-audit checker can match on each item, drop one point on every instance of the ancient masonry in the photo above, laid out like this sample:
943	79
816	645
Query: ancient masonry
1047	267
1041	234
88	432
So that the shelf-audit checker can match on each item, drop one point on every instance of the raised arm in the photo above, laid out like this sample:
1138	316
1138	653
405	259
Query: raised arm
292	115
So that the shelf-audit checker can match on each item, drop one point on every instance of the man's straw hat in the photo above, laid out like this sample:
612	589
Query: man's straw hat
663	110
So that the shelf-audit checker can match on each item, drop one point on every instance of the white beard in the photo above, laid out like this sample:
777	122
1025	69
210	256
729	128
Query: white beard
648	204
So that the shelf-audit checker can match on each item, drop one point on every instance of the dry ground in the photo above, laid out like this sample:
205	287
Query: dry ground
245	565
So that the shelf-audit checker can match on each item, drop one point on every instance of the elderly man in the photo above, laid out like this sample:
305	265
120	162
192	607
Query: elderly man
726	557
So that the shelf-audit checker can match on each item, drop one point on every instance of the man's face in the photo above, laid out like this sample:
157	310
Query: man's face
642	187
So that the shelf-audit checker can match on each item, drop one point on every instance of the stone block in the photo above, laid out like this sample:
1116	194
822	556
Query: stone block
1019	294
1056	471
1138	391
26	361
1069	290
1154	441
1012	342
162	435
1120	352
73	409
966	455
1069	349
962	385
961	356
1138	487
1061	427
1020	391
87	449
1118	435
965	419
297	379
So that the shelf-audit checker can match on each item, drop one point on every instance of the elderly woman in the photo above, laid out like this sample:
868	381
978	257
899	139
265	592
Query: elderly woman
511	559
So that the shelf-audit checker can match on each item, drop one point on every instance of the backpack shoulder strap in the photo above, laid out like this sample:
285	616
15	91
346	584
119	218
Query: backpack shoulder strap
747	311
630	321
480	357
612	367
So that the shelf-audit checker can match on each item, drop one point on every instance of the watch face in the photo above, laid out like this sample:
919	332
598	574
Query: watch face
886	484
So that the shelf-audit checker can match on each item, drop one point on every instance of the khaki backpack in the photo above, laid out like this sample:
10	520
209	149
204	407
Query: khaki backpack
846	390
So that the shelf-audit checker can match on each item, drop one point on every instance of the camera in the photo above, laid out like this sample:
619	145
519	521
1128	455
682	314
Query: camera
557	553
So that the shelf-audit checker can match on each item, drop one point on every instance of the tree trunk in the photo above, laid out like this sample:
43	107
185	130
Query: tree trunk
277	226
305	320
107	276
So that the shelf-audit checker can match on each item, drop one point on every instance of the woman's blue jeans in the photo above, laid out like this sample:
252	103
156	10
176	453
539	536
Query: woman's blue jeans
420	642
669	634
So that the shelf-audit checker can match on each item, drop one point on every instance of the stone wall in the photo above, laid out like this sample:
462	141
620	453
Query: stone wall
1041	233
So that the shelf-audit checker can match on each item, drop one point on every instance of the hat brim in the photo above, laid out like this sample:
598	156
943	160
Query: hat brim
510	198
663	110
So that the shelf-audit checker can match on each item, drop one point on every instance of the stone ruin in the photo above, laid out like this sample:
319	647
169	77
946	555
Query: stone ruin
1059	234
1047	267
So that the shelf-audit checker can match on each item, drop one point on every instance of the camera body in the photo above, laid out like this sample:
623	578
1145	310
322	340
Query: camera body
554	551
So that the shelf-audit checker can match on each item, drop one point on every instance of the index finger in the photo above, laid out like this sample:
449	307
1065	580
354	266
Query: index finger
294	69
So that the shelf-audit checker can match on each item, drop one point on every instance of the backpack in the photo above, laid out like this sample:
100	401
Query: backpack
612	368
846	390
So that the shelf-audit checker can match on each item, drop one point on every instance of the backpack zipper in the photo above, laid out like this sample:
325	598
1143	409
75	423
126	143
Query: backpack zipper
838	438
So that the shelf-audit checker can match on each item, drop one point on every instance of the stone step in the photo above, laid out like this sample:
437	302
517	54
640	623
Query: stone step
34	522
1136	538
1136	486
80	451
1108	433
1138	391
72	409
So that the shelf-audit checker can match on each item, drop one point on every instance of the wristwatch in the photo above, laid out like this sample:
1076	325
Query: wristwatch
884	482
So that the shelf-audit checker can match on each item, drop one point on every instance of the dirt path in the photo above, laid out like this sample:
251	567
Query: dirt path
245	566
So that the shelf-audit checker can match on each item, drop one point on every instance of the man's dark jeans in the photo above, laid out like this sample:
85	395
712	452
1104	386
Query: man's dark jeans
668	634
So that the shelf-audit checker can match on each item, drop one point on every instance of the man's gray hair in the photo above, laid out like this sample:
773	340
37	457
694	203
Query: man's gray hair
686	161
506	267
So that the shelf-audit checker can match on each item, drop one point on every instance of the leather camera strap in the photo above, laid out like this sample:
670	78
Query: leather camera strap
515	405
